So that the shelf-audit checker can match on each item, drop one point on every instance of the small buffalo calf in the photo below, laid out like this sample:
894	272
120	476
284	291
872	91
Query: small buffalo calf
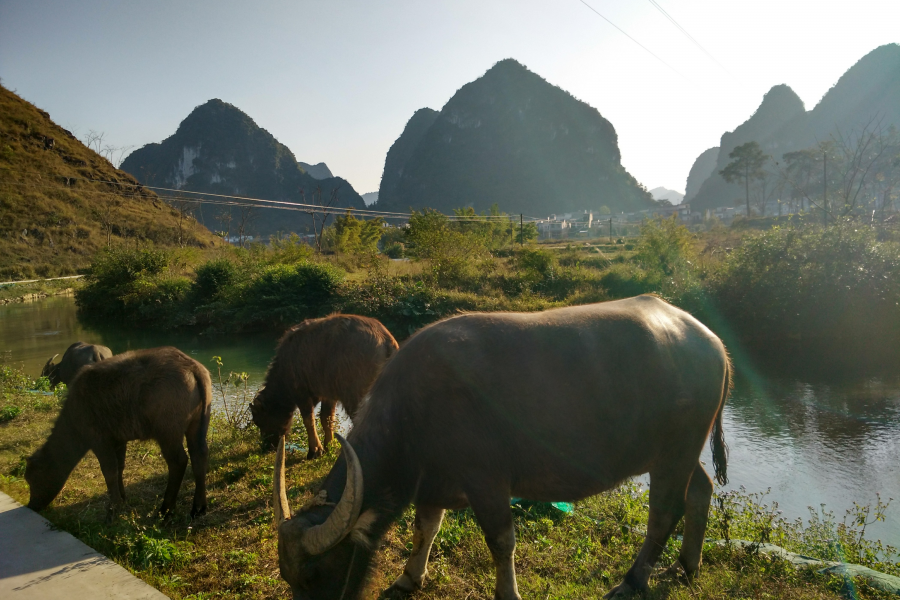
336	358
159	393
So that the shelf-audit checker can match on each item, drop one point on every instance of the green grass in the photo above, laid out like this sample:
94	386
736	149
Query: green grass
231	552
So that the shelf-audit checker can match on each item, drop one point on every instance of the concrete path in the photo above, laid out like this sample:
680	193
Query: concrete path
37	563
36	280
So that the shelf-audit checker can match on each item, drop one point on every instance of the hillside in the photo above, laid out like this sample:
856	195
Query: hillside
703	167
219	149
513	139
662	193
61	202
869	90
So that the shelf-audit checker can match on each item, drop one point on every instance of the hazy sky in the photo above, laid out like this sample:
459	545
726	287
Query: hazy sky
337	80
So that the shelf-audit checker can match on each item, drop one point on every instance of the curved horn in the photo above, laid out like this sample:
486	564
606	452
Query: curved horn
46	370
320	538
279	494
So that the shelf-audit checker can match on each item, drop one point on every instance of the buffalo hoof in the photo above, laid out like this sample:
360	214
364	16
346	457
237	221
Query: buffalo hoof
623	590
677	572
163	513
403	586
315	453
197	512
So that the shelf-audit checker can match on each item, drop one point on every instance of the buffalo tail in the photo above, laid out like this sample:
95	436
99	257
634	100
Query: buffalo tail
717	439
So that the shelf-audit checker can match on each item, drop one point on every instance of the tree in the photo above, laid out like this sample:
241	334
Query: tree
246	219
320	211
350	235
746	165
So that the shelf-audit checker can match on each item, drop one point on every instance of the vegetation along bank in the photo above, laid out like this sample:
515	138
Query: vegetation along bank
796	280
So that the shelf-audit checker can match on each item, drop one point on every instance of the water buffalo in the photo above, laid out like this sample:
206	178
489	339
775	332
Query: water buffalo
557	405
159	393
77	355
320	360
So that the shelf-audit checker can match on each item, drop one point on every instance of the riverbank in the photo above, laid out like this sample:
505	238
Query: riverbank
231	552
36	289
796	282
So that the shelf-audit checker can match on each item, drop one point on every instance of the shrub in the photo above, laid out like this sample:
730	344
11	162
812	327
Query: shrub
214	278
285	294
9	412
394	250
838	281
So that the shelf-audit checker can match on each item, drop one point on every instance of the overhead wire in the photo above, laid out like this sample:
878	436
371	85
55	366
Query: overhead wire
623	32
685	32
250	202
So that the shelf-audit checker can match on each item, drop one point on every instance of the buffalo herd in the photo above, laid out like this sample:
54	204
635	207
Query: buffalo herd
474	409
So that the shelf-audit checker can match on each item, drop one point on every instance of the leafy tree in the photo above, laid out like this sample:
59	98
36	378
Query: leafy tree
526	233
350	235
746	165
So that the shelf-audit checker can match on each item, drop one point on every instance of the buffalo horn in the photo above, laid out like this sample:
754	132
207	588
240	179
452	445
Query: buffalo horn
279	495
46	370
320	538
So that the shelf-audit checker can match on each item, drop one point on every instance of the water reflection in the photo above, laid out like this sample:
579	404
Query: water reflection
820	429
32	332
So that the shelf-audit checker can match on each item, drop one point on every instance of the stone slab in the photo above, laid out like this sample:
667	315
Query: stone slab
39	563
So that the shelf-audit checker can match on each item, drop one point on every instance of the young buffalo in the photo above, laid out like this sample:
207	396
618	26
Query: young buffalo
159	394
320	360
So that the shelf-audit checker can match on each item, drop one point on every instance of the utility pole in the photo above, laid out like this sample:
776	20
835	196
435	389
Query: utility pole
521	230
610	230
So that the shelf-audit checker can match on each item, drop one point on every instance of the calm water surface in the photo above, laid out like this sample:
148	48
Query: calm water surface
813	433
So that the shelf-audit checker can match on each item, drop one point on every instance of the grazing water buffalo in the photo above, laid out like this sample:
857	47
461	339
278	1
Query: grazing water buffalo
558	405
160	394
77	355
320	360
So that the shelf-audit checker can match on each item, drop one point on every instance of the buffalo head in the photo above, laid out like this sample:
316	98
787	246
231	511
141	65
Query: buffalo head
51	371
323	551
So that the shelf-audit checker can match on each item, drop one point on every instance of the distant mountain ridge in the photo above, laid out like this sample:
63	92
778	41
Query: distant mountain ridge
870	89
513	139
219	149
319	170
662	193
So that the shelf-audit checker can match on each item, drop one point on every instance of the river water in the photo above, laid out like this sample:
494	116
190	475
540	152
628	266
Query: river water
814	431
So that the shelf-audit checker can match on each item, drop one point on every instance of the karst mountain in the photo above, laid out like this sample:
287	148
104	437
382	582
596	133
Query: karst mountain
509	138
218	149
867	94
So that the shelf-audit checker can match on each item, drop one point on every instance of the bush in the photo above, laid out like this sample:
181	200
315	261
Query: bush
286	294
394	250
811	282
9	412
213	279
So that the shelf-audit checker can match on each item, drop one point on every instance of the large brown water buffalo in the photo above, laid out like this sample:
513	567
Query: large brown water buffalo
558	405
77	355
160	394
320	360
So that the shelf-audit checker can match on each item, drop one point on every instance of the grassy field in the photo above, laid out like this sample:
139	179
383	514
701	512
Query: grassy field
231	552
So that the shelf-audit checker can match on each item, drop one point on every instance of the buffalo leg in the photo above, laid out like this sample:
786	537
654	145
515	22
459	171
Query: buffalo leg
109	464
177	461
426	527
120	460
199	451
696	513
309	422
495	518
326	416
667	499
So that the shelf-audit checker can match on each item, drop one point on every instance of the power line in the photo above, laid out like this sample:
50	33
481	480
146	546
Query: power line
685	32
248	202
631	38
